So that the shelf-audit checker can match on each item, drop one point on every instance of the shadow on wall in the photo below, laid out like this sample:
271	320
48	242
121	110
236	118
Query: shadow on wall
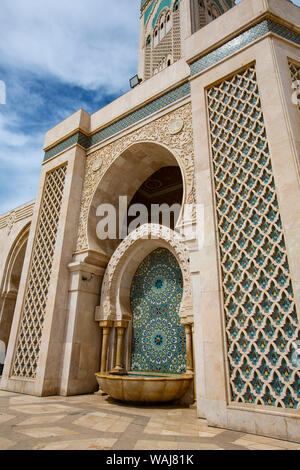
2	356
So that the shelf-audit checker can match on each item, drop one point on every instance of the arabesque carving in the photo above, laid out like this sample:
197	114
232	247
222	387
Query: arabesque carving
156	131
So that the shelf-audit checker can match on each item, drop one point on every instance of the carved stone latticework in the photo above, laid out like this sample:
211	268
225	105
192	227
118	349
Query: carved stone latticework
156	131
260	312
33	313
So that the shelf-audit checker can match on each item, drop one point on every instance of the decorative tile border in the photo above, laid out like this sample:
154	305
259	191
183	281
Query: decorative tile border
162	5
244	39
143	3
77	138
146	111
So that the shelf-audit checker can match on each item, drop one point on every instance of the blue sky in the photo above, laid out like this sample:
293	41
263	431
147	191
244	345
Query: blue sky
57	56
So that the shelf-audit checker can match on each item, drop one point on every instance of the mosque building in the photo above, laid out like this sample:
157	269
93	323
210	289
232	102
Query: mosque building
204	309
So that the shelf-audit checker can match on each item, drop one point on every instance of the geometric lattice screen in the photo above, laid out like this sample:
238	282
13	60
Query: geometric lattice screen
35	302
295	73
260	314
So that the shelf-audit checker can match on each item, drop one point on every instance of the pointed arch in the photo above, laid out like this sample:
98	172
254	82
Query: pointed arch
10	282
115	299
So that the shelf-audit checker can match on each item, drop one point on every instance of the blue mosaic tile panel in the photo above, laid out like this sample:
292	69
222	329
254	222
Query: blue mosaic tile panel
133	118
158	342
262	326
241	41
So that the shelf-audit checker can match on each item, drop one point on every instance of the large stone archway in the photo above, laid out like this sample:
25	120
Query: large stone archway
129	170
117	162
112	168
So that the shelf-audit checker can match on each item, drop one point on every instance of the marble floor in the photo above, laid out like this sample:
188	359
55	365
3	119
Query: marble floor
93	422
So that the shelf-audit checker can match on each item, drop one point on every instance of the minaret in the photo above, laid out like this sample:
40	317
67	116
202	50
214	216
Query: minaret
165	24
206	11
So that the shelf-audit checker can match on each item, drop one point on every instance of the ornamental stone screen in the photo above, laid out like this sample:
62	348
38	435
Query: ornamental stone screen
260	314
33	314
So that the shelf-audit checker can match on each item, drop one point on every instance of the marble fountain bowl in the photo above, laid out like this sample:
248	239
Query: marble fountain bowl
144	388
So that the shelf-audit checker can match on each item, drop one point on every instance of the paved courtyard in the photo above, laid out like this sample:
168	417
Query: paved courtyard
94	422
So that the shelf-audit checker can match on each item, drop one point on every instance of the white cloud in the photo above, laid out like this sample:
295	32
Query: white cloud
9	138
91	43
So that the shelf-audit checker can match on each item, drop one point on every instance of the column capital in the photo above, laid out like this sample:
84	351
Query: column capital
121	324
187	321
106	324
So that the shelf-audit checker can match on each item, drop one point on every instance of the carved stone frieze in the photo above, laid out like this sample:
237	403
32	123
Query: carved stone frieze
156	131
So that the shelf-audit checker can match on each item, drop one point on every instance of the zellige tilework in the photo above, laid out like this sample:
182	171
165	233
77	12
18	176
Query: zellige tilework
158	343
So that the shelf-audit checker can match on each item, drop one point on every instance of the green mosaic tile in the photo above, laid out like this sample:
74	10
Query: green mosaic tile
158	340
77	138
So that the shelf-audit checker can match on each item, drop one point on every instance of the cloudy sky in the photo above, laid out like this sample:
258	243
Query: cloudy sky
57	56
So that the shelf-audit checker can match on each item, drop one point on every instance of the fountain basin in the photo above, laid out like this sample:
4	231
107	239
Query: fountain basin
142	388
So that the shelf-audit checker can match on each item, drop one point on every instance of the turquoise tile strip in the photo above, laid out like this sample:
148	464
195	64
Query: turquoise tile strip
146	111
244	39
163	4
142	113
77	138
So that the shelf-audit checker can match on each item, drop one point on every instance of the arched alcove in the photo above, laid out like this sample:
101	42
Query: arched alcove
125	178
11	282
116	285
145	309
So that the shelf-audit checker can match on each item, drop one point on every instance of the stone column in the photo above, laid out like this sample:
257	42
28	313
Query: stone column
189	348
106	327
120	326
